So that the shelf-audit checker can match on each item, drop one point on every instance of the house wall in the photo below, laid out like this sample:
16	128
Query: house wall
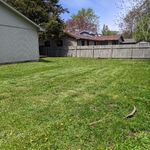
109	42
54	50
91	43
85	42
18	45
80	42
18	38
10	18
66	42
69	42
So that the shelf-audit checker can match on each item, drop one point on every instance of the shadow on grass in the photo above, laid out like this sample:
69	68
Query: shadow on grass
148	61
45	60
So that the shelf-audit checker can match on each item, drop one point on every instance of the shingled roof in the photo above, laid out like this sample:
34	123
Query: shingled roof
78	36
129	41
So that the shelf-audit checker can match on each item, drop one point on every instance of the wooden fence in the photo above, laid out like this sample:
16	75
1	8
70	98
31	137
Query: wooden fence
103	51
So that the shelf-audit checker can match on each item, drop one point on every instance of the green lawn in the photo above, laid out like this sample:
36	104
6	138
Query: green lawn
50	104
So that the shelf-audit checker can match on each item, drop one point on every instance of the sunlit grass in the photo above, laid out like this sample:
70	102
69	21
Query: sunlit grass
50	104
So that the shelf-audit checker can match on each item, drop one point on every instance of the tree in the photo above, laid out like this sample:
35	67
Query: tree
126	34
36	10
44	12
130	21
85	19
107	31
142	30
136	21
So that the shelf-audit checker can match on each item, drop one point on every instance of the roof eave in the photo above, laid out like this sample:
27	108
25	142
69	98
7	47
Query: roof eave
17	12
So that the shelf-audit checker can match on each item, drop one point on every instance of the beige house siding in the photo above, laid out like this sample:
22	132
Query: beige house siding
91	43
74	41
69	42
85	42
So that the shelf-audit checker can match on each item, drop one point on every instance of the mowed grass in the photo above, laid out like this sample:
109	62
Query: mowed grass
50	104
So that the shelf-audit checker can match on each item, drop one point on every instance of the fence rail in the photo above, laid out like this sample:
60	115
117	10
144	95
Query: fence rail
103	51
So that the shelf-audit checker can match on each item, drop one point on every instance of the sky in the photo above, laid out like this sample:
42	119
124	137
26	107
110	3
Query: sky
107	10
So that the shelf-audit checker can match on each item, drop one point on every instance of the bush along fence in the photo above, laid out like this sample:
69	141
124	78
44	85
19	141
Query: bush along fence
134	51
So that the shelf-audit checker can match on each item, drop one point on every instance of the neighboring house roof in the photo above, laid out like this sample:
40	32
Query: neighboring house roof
111	37
79	36
129	41
144	43
21	15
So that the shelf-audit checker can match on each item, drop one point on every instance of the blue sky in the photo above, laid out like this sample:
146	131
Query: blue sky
106	9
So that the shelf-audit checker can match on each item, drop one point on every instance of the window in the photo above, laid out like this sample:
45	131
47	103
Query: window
82	43
48	43
78	43
104	43
60	43
95	43
114	42
88	43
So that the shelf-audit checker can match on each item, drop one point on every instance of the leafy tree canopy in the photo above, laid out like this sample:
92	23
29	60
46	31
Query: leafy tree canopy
107	31
137	21
85	19
142	30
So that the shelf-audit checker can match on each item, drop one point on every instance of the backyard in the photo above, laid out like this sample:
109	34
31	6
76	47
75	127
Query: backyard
51	104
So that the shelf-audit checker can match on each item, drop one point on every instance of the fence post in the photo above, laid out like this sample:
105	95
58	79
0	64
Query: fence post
76	50
132	53
112	51
93	50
